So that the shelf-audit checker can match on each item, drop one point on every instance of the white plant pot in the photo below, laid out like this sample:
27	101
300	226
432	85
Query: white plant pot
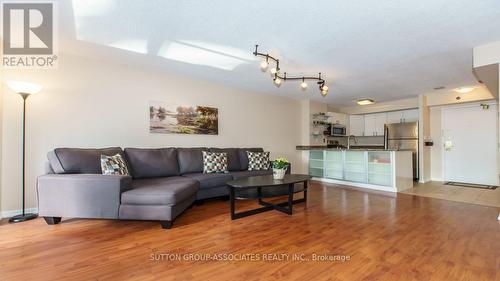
279	174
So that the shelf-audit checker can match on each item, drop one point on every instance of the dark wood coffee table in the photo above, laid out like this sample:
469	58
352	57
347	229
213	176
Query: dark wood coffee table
266	187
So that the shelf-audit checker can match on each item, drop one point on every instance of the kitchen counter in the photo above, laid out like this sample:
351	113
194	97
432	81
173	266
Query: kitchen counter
307	147
379	169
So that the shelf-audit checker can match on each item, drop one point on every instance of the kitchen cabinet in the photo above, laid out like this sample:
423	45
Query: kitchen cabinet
356	125
379	170
380	120
394	117
374	124
337	118
370	126
316	166
410	115
402	116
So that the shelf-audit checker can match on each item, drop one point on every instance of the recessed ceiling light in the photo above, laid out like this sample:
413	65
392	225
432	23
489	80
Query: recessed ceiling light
464	90
439	88
365	102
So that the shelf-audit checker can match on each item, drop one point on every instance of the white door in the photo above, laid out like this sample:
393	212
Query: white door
470	138
356	125
394	117
410	115
370	125
380	120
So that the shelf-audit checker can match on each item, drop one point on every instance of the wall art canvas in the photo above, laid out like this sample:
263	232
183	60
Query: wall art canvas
168	118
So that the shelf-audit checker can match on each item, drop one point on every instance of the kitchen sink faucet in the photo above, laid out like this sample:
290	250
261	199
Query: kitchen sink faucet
349	141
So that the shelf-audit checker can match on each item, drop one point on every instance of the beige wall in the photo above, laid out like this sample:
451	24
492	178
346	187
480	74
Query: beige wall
87	103
308	108
425	163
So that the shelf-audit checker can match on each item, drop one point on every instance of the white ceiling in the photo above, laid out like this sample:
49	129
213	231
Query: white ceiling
384	50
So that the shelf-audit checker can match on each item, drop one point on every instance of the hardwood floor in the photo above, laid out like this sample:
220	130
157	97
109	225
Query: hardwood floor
385	236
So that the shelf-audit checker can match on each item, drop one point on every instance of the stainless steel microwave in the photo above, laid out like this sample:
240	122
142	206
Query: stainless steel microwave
337	130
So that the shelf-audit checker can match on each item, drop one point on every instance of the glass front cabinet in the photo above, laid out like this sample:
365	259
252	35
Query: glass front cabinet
371	167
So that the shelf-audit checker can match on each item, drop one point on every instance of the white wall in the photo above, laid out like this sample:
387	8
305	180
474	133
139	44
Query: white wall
87	103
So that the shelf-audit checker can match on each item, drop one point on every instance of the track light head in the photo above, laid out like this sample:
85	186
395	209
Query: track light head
264	65
277	81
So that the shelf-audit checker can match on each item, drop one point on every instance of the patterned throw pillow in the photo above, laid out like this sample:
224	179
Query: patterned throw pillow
258	161
113	165
214	162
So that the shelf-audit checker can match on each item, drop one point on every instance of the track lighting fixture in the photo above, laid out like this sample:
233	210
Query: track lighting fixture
279	79
264	64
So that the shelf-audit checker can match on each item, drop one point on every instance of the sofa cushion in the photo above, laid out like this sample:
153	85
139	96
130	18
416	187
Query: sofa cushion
160	191
80	160
209	180
244	157
190	160
152	163
245	174
233	158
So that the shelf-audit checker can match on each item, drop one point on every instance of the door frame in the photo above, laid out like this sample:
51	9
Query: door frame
468	105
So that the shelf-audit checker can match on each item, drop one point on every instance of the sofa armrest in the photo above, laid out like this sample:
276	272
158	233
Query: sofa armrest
81	195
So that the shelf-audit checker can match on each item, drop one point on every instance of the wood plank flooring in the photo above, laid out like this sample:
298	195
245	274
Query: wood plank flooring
385	236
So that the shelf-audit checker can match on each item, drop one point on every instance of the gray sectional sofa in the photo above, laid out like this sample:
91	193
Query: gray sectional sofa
162	183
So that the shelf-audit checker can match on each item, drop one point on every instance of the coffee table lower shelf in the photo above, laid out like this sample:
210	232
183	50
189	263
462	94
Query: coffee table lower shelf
267	192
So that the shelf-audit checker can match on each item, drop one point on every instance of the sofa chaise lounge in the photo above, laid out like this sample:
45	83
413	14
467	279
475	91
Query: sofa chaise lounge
162	183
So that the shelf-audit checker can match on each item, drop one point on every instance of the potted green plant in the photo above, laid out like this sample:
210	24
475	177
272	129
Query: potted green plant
280	165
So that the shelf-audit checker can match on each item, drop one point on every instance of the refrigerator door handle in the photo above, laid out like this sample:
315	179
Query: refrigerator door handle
385	137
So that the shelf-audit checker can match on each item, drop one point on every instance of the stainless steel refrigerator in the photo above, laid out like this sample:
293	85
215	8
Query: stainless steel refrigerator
403	136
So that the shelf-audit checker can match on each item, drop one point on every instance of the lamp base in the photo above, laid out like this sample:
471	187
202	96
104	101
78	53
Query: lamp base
21	218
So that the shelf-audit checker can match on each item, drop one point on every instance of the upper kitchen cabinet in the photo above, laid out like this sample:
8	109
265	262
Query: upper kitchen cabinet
380	121
374	124
370	126
394	117
356	125
337	118
410	115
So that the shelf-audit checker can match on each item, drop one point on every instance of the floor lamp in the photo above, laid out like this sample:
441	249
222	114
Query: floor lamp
24	89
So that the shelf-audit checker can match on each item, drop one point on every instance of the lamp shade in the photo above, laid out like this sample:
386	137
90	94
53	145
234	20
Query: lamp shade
24	87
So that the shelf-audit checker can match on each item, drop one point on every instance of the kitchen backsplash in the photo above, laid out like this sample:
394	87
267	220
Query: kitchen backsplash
361	140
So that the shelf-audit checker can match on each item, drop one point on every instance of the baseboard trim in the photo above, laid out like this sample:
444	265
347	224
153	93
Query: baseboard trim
356	184
11	213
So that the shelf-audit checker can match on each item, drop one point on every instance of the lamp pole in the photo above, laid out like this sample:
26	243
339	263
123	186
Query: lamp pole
24	216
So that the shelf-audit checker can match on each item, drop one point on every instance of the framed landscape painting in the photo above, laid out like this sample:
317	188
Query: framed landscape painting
167	118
